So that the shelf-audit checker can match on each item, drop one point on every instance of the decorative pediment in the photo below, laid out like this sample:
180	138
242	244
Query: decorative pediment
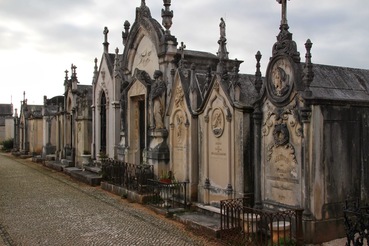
217	102
146	56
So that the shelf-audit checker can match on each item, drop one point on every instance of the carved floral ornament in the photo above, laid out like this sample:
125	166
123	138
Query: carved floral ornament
179	124
179	97
275	116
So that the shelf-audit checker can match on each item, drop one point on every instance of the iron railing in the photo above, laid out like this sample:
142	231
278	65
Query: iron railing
356	220
130	176
243	225
168	195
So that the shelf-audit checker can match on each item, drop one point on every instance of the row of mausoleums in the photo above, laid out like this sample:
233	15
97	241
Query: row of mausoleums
294	138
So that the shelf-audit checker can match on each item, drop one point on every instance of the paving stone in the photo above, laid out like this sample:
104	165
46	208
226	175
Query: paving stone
40	206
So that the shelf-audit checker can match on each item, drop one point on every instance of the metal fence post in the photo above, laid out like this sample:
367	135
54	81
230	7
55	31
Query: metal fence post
299	230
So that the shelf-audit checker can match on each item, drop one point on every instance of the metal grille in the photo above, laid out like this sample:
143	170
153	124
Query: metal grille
243	225
130	176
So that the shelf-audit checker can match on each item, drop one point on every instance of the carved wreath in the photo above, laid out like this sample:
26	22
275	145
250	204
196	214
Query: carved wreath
281	134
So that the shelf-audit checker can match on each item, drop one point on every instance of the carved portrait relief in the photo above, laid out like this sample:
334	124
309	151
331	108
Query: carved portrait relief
217	122
280	80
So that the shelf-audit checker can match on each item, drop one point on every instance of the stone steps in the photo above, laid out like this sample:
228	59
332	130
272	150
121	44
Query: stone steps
87	177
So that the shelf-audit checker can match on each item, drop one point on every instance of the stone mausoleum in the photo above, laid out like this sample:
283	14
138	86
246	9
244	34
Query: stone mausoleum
295	137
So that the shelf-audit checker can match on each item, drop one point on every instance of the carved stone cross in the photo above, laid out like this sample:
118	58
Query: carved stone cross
284	11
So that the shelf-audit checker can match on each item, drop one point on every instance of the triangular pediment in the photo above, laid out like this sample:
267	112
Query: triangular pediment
139	84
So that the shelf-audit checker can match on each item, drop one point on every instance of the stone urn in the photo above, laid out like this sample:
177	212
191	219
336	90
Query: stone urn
86	159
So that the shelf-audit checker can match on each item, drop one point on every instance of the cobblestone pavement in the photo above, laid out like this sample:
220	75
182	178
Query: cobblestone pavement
39	206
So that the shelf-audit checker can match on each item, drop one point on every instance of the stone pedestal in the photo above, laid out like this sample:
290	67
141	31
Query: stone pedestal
158	151
122	148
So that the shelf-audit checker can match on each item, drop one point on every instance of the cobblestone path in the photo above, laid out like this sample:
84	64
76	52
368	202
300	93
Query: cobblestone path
39	206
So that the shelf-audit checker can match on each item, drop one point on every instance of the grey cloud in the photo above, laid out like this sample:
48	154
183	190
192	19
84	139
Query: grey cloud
39	9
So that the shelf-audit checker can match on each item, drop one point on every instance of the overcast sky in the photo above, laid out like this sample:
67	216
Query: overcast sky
40	39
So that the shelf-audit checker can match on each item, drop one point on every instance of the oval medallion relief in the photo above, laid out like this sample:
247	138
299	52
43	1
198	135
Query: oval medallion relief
217	122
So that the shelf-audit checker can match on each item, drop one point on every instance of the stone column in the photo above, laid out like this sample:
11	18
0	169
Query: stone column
306	117
257	117
206	162
229	187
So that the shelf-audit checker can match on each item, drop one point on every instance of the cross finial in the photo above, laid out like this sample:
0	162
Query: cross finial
284	11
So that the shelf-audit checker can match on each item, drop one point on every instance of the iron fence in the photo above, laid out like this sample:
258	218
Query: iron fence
130	176
243	225
168	195
356	221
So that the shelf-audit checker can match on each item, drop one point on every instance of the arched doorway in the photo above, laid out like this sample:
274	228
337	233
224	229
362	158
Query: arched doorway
103	123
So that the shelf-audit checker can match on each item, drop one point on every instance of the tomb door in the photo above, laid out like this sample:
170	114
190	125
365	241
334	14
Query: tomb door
137	132
103	124
141	127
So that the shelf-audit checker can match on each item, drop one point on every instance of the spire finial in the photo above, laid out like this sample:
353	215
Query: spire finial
182	48
116	62
143	11
308	67
66	74
127	25
95	67
222	51
106	44
258	80
95	71
74	73
167	16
